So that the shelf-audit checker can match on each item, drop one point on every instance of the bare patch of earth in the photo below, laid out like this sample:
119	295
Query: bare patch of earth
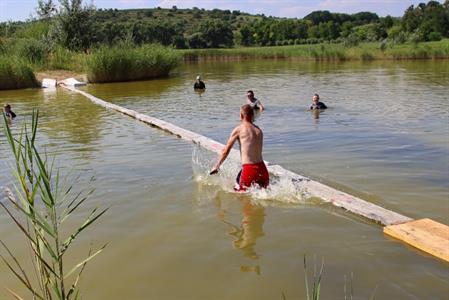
60	75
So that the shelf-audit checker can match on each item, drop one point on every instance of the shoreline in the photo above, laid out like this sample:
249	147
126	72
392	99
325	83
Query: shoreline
236	58
325	52
60	75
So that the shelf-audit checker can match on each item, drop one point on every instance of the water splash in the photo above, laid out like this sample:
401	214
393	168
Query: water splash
281	191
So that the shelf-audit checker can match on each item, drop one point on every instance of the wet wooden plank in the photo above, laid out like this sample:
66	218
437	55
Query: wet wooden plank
314	188
356	205
425	234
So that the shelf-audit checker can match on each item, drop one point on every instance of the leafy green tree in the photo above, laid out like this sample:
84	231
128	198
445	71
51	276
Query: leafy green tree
320	16
46	9
196	41
74	24
425	19
246	36
216	33
365	17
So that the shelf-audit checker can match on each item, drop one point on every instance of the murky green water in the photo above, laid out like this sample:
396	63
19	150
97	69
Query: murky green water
384	138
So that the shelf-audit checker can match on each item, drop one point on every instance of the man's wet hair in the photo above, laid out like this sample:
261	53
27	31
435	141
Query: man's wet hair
318	96
250	91
247	110
6	106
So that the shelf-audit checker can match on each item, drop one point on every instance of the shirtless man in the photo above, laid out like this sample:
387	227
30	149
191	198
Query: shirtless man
250	138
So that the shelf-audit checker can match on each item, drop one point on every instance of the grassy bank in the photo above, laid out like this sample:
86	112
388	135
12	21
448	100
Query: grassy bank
15	73
126	63
21	59
326	51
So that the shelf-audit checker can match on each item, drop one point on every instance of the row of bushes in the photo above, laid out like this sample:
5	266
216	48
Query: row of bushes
124	62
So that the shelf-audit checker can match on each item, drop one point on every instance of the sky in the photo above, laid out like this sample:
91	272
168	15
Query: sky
20	10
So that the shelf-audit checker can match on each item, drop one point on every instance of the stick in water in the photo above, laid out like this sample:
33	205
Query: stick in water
213	172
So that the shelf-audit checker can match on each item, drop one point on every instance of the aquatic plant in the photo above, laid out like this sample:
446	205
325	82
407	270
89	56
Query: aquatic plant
63	59
325	52
39	213
316	282
15	73
125	62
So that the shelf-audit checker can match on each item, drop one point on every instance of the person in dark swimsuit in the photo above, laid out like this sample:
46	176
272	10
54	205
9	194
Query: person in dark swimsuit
316	104
8	112
199	85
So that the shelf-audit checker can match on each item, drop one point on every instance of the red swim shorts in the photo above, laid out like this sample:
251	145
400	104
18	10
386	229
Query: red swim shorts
254	173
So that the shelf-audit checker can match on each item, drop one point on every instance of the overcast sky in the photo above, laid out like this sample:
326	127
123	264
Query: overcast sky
22	9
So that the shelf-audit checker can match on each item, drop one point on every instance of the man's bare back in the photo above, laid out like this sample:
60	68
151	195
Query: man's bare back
250	138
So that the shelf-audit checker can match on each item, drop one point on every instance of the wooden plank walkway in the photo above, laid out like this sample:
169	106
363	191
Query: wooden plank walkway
429	236
425	234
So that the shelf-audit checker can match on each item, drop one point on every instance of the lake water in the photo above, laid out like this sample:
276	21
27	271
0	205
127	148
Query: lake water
174	233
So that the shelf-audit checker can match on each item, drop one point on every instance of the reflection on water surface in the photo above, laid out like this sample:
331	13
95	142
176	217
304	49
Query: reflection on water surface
384	138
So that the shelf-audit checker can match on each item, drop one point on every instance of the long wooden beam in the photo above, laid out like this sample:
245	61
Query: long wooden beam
314	188
428	235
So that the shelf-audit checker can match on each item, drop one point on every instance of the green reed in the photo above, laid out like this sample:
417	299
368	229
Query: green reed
15	73
127	62
314	294
327	52
40	212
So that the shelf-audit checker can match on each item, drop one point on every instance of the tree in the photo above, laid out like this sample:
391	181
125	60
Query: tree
216	33
427	19
46	9
196	41
246	36
74	24
319	16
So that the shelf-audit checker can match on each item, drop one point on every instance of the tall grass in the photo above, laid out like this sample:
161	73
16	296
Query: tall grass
39	214
327	52
126	63
64	59
15	73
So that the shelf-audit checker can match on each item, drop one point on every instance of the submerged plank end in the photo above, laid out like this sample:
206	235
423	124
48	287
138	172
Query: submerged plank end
425	234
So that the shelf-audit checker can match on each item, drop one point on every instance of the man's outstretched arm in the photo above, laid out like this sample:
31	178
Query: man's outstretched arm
226	150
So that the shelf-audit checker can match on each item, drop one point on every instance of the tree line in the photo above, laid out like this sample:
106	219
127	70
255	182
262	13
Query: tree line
78	26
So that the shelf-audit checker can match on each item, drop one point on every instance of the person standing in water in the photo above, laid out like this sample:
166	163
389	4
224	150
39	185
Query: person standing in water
199	84
316	104
253	101
250	138
8	112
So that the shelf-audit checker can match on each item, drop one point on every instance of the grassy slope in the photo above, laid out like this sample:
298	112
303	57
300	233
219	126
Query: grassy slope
191	17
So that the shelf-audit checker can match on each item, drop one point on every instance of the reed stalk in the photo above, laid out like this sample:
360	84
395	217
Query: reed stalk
41	210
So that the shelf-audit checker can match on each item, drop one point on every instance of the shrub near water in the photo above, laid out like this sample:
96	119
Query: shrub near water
126	63
15	74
